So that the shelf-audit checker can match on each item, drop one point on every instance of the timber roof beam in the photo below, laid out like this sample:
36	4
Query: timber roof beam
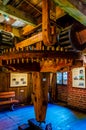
71	10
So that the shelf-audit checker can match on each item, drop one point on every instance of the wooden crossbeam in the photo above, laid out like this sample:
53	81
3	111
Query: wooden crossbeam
71	10
29	41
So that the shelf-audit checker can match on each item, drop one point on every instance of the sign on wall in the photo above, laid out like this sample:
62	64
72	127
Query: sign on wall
79	77
18	79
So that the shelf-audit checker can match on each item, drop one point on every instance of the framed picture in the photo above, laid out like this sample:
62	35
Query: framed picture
79	77
18	79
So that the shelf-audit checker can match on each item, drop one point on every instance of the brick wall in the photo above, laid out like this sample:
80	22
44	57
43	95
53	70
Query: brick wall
62	93
76	96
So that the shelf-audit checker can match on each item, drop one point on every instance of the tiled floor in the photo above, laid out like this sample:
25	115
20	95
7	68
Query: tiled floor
61	118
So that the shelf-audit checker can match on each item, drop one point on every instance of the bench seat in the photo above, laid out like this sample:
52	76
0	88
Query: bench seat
8	102
8	98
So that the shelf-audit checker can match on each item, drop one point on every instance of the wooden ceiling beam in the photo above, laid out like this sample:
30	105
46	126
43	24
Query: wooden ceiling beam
17	14
33	6
5	2
80	5
71	10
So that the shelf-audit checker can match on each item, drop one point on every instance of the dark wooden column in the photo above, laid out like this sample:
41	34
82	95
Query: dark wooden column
40	94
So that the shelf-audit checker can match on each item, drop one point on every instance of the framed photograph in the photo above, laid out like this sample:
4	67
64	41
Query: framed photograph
79	77
18	79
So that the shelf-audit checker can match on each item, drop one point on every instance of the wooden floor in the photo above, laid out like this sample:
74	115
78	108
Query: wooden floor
61	118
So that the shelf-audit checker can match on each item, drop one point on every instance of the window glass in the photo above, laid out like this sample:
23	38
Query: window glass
65	78
62	78
59	77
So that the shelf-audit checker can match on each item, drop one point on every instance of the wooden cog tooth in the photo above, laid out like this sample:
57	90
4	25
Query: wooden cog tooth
14	61
18	61
10	61
7	62
22	60
27	60
43	48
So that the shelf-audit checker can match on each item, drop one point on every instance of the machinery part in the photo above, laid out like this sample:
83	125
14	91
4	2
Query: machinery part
73	38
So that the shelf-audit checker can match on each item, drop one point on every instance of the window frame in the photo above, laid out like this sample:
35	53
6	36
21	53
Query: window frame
62	80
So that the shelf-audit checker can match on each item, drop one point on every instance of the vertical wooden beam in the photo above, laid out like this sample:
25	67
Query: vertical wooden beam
40	94
49	38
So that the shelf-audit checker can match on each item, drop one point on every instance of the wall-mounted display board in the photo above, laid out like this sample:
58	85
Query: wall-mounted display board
84	59
79	77
18	79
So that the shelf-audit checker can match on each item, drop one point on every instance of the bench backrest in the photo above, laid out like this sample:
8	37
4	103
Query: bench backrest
9	94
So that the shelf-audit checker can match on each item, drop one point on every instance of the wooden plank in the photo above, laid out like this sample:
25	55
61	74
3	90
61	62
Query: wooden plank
30	29
8	102
17	14
71	10
7	93
34	39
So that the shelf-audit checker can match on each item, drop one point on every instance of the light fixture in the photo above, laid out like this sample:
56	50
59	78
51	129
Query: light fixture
6	18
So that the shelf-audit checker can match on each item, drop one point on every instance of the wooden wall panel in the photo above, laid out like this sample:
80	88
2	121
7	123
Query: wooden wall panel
23	94
4	81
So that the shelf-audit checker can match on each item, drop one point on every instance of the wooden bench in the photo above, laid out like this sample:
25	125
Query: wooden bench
8	99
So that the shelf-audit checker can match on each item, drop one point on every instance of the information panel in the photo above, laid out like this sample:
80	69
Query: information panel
79	77
18	79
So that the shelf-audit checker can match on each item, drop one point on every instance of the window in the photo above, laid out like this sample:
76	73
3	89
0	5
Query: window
65	78
59	77
62	78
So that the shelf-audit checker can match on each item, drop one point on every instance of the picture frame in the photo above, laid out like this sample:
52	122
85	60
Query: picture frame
18	79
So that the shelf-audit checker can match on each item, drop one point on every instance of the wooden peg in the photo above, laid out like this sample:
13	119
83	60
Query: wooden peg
57	60
27	60
14	61
14	49
27	48
43	48
37	60
32	48
48	48
6	50
65	61
61	49
32	60
18	61
22	60
7	62
57	48
52	48
10	61
10	49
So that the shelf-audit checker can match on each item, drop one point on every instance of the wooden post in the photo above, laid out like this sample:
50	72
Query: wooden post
40	94
49	37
